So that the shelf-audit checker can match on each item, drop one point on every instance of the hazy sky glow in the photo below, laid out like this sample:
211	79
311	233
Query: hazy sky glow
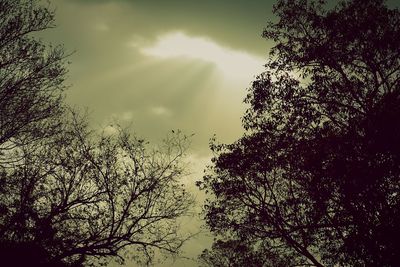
162	65
233	64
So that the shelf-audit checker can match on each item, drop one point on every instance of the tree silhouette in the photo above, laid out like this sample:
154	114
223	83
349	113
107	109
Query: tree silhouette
31	76
315	178
69	196
80	196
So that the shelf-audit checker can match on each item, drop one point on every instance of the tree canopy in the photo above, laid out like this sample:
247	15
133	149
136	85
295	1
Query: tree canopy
315	177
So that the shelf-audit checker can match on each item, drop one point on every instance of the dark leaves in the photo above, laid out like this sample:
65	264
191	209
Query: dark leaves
316	174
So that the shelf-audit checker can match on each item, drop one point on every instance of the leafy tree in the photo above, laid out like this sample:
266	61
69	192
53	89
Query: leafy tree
315	178
78	197
31	74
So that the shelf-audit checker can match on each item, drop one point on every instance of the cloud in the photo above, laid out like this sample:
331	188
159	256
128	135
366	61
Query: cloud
232	63
160	111
126	116
101	27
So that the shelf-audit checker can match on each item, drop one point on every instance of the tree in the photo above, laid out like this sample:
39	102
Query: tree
31	74
69	196
78	197
315	178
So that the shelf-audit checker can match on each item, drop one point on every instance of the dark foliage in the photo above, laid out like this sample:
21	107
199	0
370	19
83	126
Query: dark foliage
316	176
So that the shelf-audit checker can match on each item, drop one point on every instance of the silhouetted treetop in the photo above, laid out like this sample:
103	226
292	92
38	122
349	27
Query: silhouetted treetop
353	45
316	178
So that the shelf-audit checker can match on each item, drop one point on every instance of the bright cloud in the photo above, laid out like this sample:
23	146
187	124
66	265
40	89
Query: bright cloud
233	63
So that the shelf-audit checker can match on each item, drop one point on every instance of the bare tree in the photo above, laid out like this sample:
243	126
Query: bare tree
68	195
79	196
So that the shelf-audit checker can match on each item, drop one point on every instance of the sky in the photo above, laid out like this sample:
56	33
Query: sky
165	65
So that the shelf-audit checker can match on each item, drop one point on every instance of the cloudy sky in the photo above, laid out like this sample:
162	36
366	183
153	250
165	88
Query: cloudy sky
162	65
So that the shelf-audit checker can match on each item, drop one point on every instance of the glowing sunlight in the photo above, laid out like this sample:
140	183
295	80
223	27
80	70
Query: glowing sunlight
234	64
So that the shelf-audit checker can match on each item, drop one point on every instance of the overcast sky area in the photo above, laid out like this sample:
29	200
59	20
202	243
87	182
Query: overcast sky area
164	65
